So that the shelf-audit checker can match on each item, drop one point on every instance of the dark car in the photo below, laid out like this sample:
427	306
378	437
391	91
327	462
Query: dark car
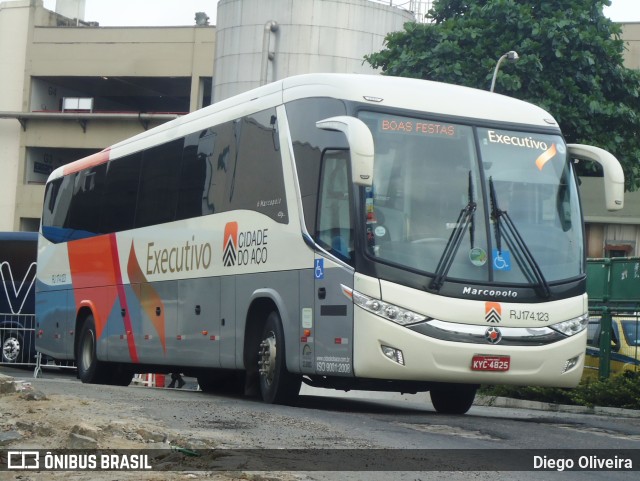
18	251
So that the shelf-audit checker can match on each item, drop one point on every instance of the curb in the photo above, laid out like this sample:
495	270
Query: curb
505	402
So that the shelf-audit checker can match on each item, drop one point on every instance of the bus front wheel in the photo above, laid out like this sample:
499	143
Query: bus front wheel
453	398
277	385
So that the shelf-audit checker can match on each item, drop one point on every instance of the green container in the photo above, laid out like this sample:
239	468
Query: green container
624	279
598	280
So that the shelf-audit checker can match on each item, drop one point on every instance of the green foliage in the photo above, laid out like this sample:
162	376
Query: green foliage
571	64
621	391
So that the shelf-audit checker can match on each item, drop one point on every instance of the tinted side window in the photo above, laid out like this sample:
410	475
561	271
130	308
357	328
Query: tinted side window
208	161
335	228
225	150
308	143
203	182
193	177
257	182
159	183
57	202
119	203
88	190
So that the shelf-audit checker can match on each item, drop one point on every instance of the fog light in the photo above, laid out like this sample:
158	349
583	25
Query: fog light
571	363
393	354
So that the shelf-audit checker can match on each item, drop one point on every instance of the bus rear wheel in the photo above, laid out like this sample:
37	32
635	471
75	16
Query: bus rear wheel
453	398
90	370
277	385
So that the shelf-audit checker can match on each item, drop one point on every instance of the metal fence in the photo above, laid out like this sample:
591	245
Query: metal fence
613	346
613	340
17	337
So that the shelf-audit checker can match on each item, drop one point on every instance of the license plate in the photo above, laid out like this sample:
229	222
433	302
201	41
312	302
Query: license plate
490	363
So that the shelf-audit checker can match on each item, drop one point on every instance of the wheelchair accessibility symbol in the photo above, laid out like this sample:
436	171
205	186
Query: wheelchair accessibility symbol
502	260
318	270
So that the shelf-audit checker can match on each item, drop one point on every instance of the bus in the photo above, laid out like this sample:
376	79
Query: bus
18	251
351	232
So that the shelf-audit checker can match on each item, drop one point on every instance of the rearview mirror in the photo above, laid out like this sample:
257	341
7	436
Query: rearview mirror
360	145
613	174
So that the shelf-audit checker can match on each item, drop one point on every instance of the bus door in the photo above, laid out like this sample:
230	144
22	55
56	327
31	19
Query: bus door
333	311
333	316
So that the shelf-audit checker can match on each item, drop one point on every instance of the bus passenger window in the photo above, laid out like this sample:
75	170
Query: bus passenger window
256	179
335	228
84	215
158	189
57	205
121	190
196	176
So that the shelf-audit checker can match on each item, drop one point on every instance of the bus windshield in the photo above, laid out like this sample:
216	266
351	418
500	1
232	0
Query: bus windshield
473	204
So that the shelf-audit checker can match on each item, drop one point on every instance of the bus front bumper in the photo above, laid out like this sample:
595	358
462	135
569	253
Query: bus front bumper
425	358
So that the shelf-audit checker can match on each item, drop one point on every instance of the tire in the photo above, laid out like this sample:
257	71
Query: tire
90	370
277	385
12	348
453	398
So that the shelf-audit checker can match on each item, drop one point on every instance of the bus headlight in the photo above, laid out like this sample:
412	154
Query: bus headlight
572	326
383	309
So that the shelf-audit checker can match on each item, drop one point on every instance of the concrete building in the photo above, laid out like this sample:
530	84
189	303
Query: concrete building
614	234
631	36
70	88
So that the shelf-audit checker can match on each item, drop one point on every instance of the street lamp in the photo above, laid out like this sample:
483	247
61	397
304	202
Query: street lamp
512	56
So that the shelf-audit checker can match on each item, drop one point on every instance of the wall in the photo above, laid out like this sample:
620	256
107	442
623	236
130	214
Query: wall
15	22
631	36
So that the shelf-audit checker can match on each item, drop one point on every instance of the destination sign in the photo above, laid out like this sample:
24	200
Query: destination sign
404	125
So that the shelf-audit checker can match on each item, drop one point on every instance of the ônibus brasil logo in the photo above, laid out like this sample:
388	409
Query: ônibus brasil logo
230	244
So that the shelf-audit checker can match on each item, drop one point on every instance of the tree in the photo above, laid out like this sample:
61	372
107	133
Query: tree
571	64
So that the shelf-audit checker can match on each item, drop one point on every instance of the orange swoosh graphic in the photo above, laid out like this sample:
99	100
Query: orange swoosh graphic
149	298
546	156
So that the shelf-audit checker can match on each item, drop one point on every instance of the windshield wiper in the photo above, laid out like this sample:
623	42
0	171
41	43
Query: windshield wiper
516	243
465	219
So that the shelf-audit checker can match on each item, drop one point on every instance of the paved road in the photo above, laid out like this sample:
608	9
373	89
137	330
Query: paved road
325	420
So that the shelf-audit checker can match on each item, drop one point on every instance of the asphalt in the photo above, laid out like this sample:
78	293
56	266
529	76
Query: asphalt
492	401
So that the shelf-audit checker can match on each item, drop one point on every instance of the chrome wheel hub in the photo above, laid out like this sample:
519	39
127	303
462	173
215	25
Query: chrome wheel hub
11	349
267	357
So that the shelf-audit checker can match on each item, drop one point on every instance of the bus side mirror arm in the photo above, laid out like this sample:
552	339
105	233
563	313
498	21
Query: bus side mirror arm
613	174
360	144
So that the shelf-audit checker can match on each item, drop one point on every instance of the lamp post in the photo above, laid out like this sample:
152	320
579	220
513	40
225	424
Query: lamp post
512	56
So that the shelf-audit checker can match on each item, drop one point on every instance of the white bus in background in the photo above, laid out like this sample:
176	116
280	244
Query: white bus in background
346	231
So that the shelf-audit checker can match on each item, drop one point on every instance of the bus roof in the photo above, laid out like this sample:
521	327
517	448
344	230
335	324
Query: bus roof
418	95
378	90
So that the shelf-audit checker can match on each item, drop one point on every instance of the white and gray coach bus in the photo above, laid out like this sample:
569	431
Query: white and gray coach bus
348	231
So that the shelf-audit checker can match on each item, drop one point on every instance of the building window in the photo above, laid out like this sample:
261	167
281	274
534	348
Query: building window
618	250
